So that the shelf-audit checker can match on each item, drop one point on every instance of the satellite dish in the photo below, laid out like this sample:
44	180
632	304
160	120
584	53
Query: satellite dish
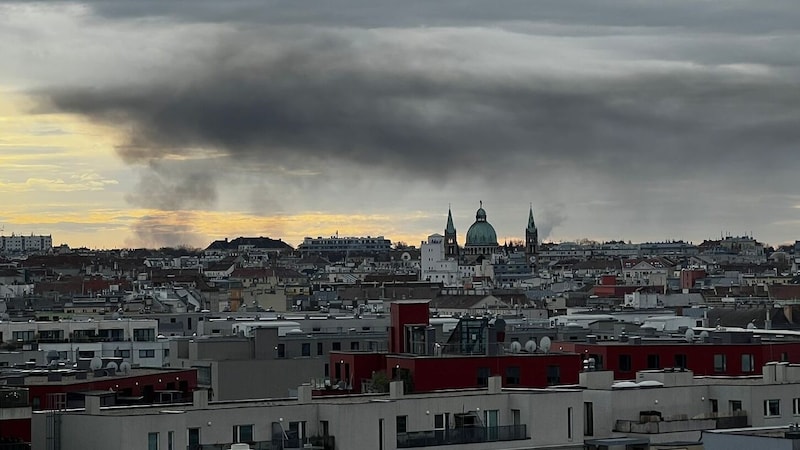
115	316
112	365
751	326
689	335
545	344
530	346
704	335
516	347
96	363
125	367
52	355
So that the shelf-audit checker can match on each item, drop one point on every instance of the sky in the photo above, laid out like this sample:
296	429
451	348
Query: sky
131	123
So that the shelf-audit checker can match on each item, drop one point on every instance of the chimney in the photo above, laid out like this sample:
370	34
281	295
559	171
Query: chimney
396	389
92	404
200	398
304	393
495	384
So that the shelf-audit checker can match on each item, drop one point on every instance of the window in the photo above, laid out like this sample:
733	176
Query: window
152	441
588	419
336	346
747	363
653	362
297	434
714	405
625	363
122	353
306	350
281	350
516	417
151	353
320	351
772	408
144	334
735	406
23	336
796	406
193	438
483	376
354	345
553	374
680	360
170	440
440	425
402	424
242	433
569	423
203	375
512	375
720	364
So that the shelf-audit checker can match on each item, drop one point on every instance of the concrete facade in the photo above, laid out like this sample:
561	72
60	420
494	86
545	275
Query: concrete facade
362	422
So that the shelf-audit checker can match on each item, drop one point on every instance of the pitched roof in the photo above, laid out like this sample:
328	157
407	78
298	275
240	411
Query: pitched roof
255	242
784	291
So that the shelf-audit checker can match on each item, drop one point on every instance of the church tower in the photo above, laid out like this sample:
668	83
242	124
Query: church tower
531	239
450	241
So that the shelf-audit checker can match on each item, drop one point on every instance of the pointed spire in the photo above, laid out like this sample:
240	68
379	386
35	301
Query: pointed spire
450	227
531	223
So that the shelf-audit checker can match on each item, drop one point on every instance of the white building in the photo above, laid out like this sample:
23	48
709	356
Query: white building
25	244
472	419
336	244
434	266
133	340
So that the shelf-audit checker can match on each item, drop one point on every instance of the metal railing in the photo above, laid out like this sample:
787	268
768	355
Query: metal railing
258	445
472	435
14	398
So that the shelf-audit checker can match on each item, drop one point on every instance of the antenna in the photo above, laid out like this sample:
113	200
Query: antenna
545	344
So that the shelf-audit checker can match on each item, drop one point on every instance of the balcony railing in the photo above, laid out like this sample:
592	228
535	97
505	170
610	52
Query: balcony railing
454	436
14	445
13	398
323	442
259	445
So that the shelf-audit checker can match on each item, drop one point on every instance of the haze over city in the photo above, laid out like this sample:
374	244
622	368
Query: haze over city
140	123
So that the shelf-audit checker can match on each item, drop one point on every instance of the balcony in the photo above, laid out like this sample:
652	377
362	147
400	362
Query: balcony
651	424
316	442
454	436
260	445
13	398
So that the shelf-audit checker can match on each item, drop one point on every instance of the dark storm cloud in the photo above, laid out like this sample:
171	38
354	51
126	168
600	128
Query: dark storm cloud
325	102
662	109
743	16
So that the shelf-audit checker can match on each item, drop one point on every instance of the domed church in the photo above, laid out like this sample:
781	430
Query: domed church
481	237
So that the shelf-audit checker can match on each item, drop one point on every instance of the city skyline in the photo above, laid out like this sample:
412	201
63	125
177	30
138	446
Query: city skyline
148	124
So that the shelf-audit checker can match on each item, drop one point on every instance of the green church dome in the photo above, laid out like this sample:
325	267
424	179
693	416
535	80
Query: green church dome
481	233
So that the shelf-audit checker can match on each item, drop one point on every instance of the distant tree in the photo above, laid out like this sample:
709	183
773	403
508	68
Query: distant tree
380	382
400	245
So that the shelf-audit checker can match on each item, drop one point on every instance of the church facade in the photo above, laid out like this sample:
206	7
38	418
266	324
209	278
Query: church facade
444	260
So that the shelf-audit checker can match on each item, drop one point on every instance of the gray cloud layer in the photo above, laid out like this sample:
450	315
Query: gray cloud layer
633	97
